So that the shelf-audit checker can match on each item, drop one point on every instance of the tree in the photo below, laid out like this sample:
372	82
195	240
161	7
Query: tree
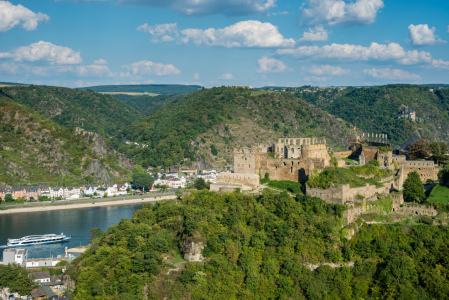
8	198
439	152
200	184
413	188
419	149
143	180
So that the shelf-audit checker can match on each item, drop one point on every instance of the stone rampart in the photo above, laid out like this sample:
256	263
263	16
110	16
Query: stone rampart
344	194
343	154
408	209
236	179
425	169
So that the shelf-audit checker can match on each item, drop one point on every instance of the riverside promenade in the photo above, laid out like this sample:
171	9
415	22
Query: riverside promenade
83	203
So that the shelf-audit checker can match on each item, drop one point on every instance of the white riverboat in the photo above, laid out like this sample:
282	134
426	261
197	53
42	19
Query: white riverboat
38	239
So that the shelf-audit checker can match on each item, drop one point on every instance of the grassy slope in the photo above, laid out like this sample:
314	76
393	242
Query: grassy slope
375	110
35	149
226	118
74	108
440	193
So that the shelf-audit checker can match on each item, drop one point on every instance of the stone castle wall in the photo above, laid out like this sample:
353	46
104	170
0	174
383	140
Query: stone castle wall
245	160
345	194
343	154
426	169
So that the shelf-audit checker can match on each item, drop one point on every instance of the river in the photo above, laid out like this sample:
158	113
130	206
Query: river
76	223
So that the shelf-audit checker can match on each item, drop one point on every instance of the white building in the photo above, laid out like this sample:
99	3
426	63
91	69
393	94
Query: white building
15	256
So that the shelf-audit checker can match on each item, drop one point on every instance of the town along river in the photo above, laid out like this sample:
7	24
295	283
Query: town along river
76	223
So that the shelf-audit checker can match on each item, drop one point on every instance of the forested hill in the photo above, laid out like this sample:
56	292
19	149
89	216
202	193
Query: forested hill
75	108
205	126
260	248
147	104
161	89
375	109
35	149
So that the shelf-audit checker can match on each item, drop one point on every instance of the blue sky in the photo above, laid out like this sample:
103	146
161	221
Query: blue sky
217	42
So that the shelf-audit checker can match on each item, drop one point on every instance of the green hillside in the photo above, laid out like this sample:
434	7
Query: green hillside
205	126
75	108
375	109
35	149
161	89
260	247
147	104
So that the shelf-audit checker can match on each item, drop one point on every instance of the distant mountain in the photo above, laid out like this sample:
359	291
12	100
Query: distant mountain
147	104
161	89
376	109
202	128
35	149
75	108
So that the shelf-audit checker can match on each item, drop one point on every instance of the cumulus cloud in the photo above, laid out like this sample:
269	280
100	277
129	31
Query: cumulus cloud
208	7
326	70
242	34
272	65
100	61
161	32
145	67
378	52
339	12
93	70
44	51
388	73
249	33
421	35
317	34
14	15
226	76
440	64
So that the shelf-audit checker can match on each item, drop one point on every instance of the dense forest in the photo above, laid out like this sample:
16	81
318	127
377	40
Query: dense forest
147	104
161	89
223	118
75	108
261	247
375	109
35	149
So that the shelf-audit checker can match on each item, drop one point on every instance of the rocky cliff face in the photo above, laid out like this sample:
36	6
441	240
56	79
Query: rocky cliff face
193	249
36	150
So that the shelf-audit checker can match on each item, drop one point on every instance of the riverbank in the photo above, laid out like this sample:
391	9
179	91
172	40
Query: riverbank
87	204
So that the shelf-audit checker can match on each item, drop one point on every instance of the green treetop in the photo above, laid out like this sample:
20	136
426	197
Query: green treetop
413	188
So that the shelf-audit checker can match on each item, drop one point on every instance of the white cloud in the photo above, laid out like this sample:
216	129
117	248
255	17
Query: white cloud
267	64
338	12
326	70
208	7
377	52
94	70
14	15
394	74
44	51
282	13
317	34
226	76
249	33
421	34
161	32
440	64
196	76
100	61
145	67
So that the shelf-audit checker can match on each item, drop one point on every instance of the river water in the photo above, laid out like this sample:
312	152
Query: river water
76	223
